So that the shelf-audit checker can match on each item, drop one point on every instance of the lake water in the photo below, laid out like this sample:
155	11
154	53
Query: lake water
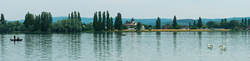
135	46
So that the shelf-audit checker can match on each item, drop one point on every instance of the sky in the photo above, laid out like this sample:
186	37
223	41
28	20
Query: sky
183	9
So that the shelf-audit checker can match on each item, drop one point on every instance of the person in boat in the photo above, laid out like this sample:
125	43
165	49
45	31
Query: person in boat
17	38
14	37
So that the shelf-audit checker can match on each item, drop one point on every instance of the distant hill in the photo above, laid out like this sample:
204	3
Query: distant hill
152	21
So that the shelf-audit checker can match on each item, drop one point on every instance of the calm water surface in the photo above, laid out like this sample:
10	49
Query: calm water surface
142	46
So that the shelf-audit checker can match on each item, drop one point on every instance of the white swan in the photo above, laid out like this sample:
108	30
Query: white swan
209	46
222	47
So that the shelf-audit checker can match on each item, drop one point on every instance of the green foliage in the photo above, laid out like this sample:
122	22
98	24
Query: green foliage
216	25
89	26
193	27
224	24
125	27
99	27
174	22
199	23
158	23
103	21
108	22
95	23
2	19
79	17
204	26
233	23
138	26
146	26
111	23
67	25
29	20
46	20
248	21
194	24
178	27
210	23
118	22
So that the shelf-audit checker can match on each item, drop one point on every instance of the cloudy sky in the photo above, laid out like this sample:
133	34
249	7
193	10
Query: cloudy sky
192	9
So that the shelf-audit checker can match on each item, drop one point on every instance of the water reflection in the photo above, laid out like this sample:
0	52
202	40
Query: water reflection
200	44
38	46
2	46
174	41
103	46
74	46
158	37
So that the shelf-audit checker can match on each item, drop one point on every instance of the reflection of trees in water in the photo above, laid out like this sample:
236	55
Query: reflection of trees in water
103	45
174	37
2	46
158	37
74	45
36	44
200	46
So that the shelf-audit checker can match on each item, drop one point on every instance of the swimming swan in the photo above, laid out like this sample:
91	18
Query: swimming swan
209	46
222	47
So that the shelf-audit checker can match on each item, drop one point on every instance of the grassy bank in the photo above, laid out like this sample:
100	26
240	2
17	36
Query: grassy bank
173	30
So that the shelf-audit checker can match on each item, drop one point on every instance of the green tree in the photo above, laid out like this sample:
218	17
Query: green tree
245	21
158	23
108	22
72	15
46	20
119	19
69	16
216	25
79	17
75	15
103	21
210	23
138	26
100	21
221	20
2	19
95	23
29	20
233	23
199	23
194	23
37	23
248	21
174	22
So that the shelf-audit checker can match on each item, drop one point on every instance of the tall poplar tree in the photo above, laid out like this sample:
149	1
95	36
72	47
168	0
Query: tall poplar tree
100	21
174	22
194	23
246	21
158	23
108	21
95	23
75	15
119	18
69	16
103	21
2	19
72	16
79	17
199	23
